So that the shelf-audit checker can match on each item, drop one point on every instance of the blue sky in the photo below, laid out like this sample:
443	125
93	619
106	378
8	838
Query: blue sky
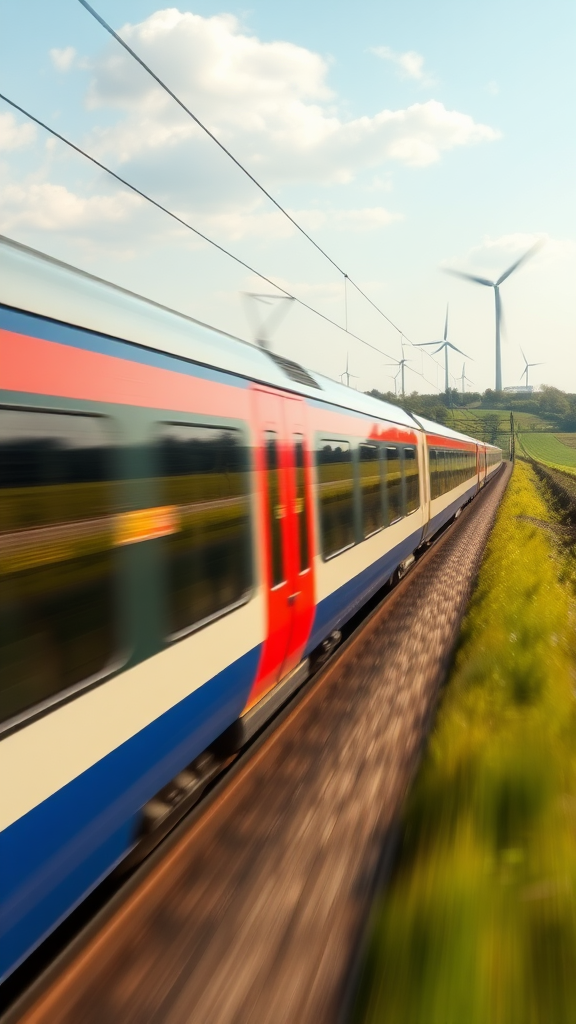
405	137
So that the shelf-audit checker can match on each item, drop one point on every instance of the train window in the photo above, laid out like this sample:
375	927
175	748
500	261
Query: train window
336	496
275	508
433	464
57	567
450	470
393	483
371	489
412	482
301	502
205	476
440	454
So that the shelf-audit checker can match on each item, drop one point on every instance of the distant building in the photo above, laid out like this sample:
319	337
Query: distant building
520	389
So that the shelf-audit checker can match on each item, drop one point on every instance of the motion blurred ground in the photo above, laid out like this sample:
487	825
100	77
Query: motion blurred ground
479	924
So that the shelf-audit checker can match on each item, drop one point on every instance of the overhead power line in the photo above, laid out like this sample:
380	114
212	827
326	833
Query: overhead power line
184	223
234	159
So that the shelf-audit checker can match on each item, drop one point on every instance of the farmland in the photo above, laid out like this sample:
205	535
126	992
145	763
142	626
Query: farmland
568	439
464	419
550	449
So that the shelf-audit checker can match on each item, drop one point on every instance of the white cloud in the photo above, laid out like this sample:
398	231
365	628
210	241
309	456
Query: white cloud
54	208
368	219
49	207
63	59
269	102
14	135
411	64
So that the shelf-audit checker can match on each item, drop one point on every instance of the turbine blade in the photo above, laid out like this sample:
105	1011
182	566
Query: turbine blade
523	356
446	324
450	345
527	255
469	277
418	344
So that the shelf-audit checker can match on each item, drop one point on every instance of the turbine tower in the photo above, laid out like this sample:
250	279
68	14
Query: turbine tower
347	373
497	300
400	363
444	344
527	366
395	379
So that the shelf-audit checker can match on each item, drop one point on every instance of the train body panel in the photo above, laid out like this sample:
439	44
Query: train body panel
57	849
184	518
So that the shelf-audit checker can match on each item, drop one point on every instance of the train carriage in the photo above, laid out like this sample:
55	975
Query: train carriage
187	521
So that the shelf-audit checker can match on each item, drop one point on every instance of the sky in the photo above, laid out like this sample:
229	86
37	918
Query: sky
404	138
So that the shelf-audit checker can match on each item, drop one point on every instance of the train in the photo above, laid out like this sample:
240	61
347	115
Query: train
188	521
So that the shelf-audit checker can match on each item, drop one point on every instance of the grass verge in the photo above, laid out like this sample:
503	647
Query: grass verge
479	923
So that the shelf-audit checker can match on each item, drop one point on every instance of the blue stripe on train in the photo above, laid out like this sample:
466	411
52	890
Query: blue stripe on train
52	330
57	852
336	609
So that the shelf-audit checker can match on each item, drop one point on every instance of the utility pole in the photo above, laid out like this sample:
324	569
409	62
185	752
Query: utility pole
512	439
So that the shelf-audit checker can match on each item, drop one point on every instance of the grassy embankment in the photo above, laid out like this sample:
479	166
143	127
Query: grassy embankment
479	923
558	451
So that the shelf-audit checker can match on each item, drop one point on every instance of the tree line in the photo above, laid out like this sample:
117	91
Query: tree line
552	404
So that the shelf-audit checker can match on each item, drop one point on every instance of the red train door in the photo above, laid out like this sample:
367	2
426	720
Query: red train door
283	467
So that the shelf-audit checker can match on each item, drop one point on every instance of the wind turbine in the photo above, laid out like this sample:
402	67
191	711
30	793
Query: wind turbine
527	366
400	363
347	373
395	379
497	300
444	344
463	378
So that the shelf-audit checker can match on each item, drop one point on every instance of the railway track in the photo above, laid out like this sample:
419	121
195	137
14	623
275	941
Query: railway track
254	907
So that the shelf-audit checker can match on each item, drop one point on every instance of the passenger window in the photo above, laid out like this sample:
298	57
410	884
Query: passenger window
450	474
57	566
393	483
301	503
275	509
433	465
433	462
412	483
336	496
371	489
204	474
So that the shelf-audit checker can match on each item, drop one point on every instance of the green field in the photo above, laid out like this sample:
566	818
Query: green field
550	449
568	439
522	420
478	925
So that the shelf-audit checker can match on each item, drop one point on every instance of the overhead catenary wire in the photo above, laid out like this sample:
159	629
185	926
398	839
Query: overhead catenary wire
108	28
184	223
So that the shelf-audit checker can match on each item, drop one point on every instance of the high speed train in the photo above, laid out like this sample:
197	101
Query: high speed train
187	522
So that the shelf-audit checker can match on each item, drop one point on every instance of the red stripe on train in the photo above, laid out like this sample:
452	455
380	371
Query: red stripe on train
50	368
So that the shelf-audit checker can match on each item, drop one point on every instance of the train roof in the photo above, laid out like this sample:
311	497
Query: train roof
441	431
37	283
32	281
